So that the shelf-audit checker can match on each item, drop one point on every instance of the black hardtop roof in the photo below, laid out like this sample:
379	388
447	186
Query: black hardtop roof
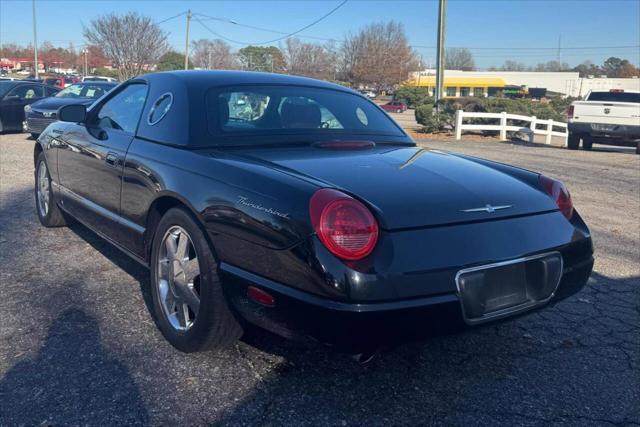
215	78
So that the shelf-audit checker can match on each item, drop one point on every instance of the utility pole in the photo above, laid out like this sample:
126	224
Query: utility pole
559	47
440	53
35	39
186	46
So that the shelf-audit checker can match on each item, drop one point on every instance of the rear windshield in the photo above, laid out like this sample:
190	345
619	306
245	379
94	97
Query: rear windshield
614	97
276	110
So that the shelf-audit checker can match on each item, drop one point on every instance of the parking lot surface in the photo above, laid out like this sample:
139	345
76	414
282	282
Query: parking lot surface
78	346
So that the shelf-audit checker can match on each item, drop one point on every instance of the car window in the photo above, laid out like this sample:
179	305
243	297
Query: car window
81	90
122	112
50	91
273	109
614	96
27	92
72	91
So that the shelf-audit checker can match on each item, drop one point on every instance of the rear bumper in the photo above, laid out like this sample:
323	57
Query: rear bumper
615	135
353	327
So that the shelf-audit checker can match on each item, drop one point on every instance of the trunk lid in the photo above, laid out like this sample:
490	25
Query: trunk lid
412	187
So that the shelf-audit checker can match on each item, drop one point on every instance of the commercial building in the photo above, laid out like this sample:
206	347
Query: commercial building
486	83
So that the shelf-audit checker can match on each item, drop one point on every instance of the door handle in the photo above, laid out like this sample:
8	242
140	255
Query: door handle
112	159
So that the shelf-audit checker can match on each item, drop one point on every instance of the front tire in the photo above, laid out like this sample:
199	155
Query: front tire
188	301
573	141
47	209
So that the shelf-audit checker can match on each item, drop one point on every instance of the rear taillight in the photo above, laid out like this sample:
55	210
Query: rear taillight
570	111
344	225
559	194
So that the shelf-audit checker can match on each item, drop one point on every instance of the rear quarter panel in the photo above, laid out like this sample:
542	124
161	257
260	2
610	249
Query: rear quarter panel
245	209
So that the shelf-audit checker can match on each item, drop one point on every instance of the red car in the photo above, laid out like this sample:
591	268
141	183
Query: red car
395	106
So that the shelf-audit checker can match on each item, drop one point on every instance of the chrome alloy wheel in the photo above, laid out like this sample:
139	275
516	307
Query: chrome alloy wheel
178	275
43	189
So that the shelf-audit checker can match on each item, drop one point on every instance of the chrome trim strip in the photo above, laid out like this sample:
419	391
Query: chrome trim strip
487	208
509	311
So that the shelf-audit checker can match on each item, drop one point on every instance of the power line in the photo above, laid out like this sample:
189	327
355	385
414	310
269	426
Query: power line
287	35
173	17
268	30
218	34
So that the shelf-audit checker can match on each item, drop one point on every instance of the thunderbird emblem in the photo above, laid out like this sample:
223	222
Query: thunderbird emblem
47	113
607	110
488	208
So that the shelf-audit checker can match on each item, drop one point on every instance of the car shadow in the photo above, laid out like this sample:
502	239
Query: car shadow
73	380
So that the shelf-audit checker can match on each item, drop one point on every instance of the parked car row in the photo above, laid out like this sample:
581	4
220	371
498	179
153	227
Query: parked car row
30	106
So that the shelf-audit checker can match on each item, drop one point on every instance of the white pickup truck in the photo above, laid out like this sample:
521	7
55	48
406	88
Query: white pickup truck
605	117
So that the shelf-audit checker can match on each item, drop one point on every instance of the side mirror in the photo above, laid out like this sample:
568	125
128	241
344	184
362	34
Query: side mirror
75	113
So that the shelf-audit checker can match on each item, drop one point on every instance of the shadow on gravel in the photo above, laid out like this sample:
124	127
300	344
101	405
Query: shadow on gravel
583	350
72	380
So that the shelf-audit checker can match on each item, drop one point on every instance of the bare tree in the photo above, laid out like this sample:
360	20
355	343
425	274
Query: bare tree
132	42
510	65
308	59
379	56
551	66
213	55
456	58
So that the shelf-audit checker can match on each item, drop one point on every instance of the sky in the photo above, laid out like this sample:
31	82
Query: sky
527	31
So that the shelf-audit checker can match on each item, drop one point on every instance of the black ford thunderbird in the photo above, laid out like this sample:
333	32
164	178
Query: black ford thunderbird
301	207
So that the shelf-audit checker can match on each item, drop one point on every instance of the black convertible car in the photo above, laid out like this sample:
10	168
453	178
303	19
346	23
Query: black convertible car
300	206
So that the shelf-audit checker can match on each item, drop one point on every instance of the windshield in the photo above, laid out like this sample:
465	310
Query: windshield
91	91
614	97
275	110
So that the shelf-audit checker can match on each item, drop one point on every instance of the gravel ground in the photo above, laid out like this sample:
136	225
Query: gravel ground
77	344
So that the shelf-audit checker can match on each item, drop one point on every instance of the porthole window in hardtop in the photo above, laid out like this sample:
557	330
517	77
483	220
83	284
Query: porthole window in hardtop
160	108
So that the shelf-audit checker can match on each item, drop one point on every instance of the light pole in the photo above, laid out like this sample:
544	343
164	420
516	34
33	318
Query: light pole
35	39
85	52
186	46
440	59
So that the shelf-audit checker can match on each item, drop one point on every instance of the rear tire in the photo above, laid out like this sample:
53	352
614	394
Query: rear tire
573	141
638	148
189	305
47	209
587	142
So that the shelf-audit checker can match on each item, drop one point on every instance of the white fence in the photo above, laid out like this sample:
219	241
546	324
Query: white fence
503	127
